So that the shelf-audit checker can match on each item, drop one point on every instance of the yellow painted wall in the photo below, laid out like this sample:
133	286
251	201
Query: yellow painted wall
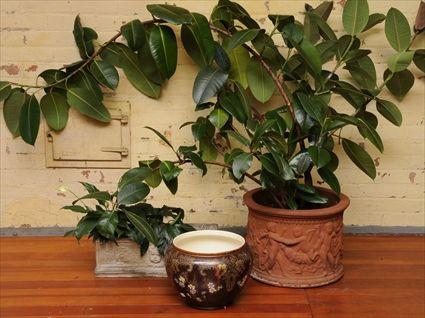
37	35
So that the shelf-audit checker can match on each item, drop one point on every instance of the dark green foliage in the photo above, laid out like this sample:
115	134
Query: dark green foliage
285	141
126	215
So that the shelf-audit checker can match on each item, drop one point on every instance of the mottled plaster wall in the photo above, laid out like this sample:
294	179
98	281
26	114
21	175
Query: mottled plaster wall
37	35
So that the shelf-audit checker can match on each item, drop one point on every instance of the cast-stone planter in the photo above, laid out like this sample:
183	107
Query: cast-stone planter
296	248
124	259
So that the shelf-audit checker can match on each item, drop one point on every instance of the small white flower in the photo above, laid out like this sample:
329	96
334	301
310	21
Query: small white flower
181	281
211	288
192	289
62	188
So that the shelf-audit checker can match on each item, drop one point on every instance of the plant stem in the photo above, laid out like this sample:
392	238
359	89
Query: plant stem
339	63
279	85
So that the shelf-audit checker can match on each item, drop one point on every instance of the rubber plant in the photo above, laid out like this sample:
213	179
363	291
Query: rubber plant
125	214
240	66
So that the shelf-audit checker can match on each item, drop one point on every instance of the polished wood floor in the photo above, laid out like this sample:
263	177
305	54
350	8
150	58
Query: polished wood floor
53	277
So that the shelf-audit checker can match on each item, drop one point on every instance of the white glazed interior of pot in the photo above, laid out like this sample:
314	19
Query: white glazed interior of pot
208	241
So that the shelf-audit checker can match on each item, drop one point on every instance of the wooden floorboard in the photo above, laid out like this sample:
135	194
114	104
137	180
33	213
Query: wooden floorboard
53	277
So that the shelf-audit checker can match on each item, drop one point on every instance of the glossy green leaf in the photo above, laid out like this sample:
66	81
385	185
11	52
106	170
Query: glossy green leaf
134	33
239	59
315	107
134	72
87	82
143	226
370	133
133	175
107	224
112	53
55	110
198	41
241	164
293	34
311	28
400	61
154	179
51	76
301	162
344	47
78	32
419	59
221	57
397	30
169	171
319	156
5	89
132	193
207	149
360	157
259	81
350	93
241	139
269	164
85	226
163	45
148	65
374	19
260	130
327	50
400	83
99	195
390	111
312	198
363	72
87	104
218	117
324	29
310	56
197	162
12	110
241	37
29	120
233	105
355	16
105	73
75	208
163	138
170	13
207	84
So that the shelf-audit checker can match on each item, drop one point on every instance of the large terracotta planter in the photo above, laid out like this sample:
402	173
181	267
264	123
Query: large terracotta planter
296	248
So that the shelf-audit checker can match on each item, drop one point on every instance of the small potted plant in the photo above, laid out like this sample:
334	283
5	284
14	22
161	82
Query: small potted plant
131	235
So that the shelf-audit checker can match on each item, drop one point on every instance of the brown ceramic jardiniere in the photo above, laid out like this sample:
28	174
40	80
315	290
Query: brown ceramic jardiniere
208	267
296	248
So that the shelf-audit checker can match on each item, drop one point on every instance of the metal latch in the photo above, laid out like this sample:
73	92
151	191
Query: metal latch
123	151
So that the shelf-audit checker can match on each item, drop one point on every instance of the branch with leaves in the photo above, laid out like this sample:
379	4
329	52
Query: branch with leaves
239	67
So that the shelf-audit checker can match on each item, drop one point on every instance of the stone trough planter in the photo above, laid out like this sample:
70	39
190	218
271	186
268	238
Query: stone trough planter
124	259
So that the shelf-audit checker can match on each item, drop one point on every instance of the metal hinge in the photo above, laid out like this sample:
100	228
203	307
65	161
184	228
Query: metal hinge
121	117
123	151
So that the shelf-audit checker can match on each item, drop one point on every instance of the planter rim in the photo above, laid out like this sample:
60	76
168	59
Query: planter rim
207	255
339	207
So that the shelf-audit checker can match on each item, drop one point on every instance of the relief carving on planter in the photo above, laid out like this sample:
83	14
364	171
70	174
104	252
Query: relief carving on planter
295	248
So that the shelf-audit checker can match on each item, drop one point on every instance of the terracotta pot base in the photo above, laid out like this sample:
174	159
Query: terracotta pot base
296	248
298	283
